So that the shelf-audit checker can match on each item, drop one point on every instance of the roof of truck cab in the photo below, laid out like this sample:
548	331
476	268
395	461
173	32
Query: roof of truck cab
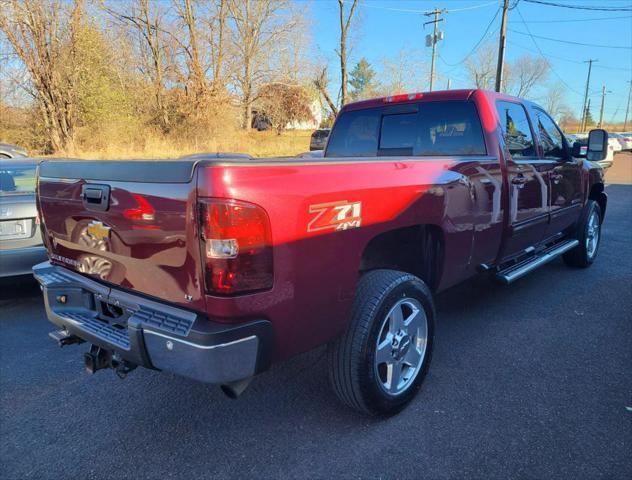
437	95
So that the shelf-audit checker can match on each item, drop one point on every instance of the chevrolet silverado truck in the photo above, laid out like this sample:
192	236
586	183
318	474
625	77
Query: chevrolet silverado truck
214	267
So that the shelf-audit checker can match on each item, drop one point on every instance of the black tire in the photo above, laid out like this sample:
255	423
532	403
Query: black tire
582	256
353	373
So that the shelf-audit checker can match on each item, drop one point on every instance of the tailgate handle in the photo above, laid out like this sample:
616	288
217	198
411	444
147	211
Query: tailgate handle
96	197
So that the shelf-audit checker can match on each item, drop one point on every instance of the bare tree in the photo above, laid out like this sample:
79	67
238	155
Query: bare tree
259	28
526	73
345	24
196	77
404	72
555	100
217	27
148	20
481	68
321	82
42	34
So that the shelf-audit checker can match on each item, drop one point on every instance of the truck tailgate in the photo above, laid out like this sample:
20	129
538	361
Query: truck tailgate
128	223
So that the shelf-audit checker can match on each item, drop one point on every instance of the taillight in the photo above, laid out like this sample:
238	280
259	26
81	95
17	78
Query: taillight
236	246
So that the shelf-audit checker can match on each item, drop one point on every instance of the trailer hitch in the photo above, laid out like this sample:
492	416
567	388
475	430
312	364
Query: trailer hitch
99	358
96	359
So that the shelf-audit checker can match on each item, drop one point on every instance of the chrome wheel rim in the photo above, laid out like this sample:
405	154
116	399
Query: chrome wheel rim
592	234
401	346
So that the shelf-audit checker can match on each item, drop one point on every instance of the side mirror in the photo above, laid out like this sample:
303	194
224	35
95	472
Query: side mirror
597	145
579	149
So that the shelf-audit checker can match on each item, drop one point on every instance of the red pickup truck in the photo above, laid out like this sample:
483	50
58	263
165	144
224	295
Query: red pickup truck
215	266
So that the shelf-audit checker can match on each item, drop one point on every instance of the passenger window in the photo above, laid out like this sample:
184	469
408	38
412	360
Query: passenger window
516	130
550	137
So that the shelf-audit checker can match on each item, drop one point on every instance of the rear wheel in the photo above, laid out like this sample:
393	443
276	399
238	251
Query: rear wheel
378	365
589	236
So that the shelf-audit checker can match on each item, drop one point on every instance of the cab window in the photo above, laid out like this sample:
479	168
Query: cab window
516	129
450	128
550	136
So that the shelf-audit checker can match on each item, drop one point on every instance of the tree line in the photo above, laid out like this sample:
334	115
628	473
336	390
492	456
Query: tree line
198	67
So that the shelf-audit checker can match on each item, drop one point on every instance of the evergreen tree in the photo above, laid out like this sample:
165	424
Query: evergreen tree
362	80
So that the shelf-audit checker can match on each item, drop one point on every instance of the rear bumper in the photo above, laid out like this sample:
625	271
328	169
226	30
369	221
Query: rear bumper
153	334
20	261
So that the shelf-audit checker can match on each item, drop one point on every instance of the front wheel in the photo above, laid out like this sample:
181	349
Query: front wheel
378	365
589	236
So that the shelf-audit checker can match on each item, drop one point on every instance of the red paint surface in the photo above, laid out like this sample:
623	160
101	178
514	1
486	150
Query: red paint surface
315	272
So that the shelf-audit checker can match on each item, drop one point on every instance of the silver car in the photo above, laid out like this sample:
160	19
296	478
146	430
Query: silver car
319	139
8	150
20	236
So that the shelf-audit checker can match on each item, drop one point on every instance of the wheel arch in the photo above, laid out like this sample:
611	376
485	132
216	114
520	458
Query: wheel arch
416	249
598	195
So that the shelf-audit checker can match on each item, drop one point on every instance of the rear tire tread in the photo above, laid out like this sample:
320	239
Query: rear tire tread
346	352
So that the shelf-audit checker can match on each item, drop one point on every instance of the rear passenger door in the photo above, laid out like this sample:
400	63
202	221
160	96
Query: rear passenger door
565	176
528	180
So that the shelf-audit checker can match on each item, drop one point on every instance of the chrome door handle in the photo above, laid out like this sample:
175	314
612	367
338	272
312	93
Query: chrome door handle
556	178
519	181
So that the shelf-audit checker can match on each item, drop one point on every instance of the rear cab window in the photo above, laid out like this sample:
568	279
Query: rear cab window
421	129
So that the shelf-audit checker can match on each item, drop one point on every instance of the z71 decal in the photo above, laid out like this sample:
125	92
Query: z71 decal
335	216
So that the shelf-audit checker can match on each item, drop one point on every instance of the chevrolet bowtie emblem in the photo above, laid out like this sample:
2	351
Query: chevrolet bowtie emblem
98	231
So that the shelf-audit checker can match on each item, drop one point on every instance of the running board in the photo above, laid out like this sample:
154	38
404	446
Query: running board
520	269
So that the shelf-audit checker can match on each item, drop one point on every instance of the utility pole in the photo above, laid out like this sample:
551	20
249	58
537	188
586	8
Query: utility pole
431	41
501	47
584	108
603	100
586	115
449	83
627	108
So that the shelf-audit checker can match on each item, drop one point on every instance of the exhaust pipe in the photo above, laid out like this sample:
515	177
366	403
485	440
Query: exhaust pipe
235	389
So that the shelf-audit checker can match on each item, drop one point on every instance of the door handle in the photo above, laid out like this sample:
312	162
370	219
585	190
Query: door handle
519	181
556	178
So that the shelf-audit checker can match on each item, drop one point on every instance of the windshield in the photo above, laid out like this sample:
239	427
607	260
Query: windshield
16	179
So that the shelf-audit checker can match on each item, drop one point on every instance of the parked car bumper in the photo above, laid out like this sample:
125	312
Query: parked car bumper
20	261
153	334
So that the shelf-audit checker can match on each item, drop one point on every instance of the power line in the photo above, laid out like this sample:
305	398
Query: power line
475	47
581	7
410	10
451	10
573	20
544	57
579	62
571	42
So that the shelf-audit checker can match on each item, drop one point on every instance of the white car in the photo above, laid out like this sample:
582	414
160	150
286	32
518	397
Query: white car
614	142
625	139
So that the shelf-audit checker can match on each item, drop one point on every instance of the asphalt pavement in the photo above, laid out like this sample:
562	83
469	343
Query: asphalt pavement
533	380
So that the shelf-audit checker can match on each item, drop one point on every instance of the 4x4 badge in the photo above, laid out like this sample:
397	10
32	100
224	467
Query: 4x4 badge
335	216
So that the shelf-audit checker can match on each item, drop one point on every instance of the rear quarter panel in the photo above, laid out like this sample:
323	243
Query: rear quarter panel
315	272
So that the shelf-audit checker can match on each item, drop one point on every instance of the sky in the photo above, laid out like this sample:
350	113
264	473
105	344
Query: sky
386	27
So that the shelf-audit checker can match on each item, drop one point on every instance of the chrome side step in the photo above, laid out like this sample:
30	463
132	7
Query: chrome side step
520	269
